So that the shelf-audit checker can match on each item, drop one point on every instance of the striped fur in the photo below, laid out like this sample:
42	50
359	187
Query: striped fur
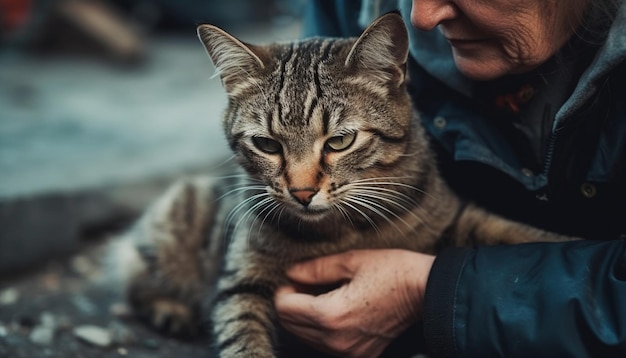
335	159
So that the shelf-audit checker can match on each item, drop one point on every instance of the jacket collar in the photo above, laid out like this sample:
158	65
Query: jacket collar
611	54
431	51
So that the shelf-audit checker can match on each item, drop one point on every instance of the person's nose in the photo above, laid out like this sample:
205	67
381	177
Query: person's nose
427	14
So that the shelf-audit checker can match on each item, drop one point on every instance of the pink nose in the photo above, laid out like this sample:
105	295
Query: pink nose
303	196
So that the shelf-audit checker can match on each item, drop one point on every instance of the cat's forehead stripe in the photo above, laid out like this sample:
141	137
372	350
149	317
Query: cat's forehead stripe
310	104
325	50
315	88
281	81
300	90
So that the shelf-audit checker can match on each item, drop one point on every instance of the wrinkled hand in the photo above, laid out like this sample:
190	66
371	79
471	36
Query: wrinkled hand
380	295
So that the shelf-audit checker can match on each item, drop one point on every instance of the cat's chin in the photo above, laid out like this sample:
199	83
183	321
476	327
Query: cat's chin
313	215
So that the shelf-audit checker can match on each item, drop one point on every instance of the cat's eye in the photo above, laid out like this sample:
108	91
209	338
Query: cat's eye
341	142
267	145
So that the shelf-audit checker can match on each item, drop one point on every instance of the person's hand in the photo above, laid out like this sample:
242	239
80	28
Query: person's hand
380	295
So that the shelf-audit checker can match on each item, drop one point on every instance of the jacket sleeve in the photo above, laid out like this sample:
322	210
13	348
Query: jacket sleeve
530	300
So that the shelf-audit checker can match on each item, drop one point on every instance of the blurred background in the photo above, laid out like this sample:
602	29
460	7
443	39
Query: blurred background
103	103
96	95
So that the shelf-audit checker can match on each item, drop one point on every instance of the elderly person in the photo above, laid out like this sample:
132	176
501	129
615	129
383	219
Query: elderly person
525	102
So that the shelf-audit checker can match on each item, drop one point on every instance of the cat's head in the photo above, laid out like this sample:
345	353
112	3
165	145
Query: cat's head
324	123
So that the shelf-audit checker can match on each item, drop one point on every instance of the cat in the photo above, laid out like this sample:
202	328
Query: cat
334	159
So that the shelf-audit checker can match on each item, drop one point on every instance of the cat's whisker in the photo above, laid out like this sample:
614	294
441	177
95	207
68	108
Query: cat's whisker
241	206
392	194
389	198
342	211
235	211
374	195
240	175
245	218
241	189
377	181
280	214
365	216
364	180
226	161
402	185
374	207
270	209
253	209
400	200
260	193
389	193
258	185
410	202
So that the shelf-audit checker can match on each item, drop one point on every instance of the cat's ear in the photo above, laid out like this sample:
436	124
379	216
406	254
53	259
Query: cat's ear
238	64
382	50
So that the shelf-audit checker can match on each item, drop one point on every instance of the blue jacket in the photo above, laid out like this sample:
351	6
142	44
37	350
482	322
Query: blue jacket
543	299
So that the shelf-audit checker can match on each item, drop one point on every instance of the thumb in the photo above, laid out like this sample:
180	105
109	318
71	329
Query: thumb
323	270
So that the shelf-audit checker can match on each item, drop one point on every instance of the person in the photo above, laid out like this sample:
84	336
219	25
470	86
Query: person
525	103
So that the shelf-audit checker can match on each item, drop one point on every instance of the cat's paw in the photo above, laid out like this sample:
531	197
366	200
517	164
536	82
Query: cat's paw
168	308
173	317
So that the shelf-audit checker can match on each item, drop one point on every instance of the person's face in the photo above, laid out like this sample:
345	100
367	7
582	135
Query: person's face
493	38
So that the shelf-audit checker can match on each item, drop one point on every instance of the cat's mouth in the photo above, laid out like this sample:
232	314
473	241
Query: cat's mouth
312	214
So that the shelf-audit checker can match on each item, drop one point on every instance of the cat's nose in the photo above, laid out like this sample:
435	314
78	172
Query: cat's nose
303	196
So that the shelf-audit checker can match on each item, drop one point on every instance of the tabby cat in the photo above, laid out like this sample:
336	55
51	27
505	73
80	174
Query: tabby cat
334	158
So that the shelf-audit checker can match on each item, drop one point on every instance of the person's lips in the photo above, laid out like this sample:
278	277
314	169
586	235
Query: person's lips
465	43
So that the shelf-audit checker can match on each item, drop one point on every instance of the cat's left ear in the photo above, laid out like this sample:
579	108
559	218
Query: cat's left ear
238	64
382	50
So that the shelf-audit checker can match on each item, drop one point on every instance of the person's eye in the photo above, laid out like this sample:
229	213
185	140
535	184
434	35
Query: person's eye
339	143
267	145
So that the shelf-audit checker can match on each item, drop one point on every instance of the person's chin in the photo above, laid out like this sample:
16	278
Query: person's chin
481	69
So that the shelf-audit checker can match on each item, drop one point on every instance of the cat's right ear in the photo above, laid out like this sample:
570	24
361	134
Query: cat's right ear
382	50
238	64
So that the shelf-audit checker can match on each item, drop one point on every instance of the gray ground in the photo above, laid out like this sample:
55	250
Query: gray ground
84	147
43	313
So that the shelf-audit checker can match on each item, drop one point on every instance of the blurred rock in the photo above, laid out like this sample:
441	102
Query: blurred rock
83	266
47	319
94	335
9	296
120	334
43	334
